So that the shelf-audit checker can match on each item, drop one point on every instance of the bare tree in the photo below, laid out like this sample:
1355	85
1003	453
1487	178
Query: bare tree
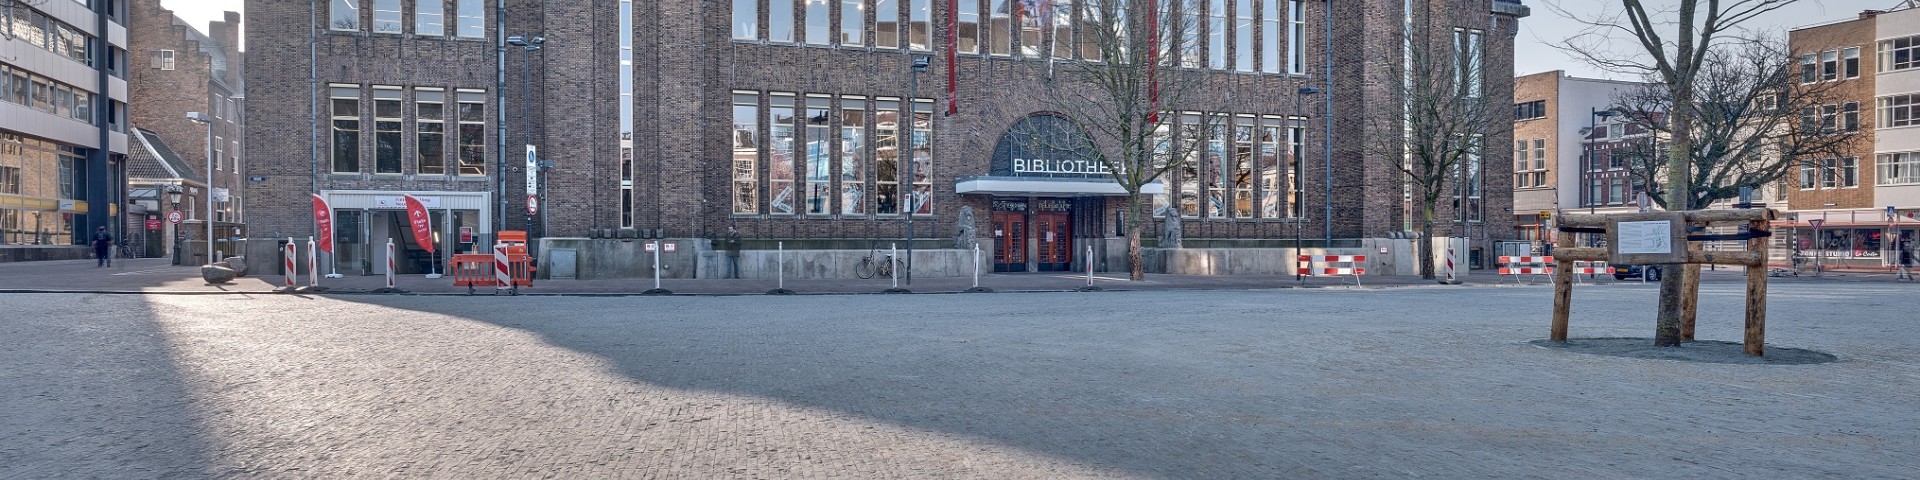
1447	113
1755	124
1120	97
1675	58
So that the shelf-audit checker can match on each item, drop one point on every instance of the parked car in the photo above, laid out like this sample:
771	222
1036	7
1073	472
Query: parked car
1649	272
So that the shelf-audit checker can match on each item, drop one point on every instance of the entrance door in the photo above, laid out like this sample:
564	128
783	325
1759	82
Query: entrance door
1009	241
1054	230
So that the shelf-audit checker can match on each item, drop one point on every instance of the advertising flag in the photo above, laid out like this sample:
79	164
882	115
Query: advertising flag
422	223
323	221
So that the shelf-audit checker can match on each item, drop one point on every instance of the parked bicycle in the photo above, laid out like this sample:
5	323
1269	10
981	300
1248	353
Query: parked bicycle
127	251
875	263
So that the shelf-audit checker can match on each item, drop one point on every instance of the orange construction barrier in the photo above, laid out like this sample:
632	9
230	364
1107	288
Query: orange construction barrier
472	270
521	267
514	242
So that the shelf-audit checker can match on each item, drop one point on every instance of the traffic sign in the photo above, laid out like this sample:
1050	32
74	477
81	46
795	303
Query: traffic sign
1816	222
174	217
533	204
651	246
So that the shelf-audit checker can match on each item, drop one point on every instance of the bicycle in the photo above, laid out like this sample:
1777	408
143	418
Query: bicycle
870	266
126	251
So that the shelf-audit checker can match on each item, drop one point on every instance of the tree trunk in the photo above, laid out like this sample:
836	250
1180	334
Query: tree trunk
1666	332
1136	271
1425	245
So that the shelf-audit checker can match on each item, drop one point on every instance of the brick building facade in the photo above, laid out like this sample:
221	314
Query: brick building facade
180	70
789	121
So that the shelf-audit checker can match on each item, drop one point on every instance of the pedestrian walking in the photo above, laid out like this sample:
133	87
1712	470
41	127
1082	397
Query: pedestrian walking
102	248
733	253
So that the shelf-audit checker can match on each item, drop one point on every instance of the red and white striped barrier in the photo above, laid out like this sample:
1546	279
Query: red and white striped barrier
1592	268
293	252
1517	266
500	271
1332	265
389	263
1452	275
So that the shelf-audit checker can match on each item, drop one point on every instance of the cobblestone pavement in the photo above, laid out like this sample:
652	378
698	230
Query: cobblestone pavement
1411	382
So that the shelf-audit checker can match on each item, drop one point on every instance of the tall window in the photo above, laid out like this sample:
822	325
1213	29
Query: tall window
1240	172
1062	19
1809	69
1850	172
472	18
1850	116
1091	18
1829	65
920	200
1807	173
853	155
341	15
1243	35
429	17
1270	36
386	16
1850	62
1272	165
1899	110
919	33
1297	37
746	152
1029	31
345	101
819	15
1214	172
1190	20
1192	176
746	19
1217	34
386	129
430	131
853	22
968	25
780	21
472	137
1000	27
886	164
886	23
1467	68
781	195
819	154
626	112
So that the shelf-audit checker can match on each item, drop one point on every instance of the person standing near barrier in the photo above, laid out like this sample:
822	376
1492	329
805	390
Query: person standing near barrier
102	248
733	253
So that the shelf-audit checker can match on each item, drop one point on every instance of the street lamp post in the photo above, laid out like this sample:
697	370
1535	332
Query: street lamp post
1594	116
913	138
207	121
1299	224
173	194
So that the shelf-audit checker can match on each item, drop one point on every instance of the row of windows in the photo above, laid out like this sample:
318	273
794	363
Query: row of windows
1900	110
1830	173
429	17
1530	110
1900	53
1010	27
1830	118
42	31
45	170
816	154
1530	163
1830	65
1614	191
1239	166
1898	168
426	124
21	87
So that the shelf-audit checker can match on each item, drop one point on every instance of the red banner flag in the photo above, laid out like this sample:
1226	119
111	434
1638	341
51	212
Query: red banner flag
323	223
422	224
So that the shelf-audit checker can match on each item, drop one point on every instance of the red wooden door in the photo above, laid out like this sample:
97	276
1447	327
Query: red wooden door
1055	232
1009	241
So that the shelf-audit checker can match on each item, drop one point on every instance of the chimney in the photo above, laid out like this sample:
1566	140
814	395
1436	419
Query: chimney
1867	14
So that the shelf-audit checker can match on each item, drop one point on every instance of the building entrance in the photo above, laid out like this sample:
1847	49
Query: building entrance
1054	230
1032	235
1009	240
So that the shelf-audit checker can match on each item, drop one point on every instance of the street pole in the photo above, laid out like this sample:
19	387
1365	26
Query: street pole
1299	224
918	65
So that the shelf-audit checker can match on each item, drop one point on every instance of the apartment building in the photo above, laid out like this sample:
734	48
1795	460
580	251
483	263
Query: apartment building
1563	161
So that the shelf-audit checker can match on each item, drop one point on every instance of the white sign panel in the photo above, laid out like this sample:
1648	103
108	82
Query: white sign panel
220	194
396	201
533	171
1651	237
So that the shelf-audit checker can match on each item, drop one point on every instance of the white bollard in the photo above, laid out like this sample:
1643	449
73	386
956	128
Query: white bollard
976	265
780	263
1089	265
389	263
313	264
657	246
502	278
895	260
1450	268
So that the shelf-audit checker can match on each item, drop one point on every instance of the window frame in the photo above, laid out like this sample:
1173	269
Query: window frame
337	93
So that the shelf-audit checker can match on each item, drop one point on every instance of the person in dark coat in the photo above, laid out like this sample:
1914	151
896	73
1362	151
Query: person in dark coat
102	248
733	253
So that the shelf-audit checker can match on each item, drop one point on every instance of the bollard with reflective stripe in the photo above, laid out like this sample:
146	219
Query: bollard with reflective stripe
293	252
389	263
313	264
500	271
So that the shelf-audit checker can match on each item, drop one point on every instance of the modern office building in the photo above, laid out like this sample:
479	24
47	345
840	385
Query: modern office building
63	125
791	121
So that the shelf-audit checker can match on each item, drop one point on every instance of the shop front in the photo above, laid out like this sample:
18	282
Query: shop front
1048	197
364	221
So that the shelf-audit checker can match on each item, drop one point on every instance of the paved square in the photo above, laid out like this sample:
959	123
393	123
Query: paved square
1422	381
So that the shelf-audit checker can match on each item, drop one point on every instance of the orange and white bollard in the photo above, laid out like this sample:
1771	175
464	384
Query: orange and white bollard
313	264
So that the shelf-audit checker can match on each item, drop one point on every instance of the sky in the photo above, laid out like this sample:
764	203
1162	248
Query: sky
1534	50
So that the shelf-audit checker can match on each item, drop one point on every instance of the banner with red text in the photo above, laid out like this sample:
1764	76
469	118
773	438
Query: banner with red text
422	223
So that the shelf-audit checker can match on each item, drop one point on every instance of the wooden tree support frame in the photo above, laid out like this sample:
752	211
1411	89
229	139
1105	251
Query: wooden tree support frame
1755	259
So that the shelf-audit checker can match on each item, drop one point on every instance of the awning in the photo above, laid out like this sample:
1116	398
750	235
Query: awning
1048	187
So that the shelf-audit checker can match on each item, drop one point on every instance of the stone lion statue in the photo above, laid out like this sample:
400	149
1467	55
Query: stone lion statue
964	237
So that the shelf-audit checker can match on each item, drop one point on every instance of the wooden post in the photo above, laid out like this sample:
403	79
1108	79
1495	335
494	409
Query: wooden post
1562	289
1690	288
1756	337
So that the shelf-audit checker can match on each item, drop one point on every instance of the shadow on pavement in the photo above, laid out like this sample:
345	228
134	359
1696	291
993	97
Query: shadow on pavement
97	398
